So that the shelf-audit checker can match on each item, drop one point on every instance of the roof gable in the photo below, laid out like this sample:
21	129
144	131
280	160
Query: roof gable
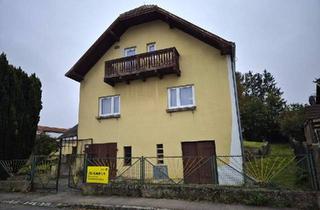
138	16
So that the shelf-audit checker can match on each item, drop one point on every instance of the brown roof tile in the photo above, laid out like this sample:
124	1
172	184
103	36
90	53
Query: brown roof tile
43	129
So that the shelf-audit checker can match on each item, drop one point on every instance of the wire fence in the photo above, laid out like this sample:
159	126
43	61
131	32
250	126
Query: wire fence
282	172
40	171
11	170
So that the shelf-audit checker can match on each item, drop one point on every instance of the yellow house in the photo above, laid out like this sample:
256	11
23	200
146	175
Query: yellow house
156	85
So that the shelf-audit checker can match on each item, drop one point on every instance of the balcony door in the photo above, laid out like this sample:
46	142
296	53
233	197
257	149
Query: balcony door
131	64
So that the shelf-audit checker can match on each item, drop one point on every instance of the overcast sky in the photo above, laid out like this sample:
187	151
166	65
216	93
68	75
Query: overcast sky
48	37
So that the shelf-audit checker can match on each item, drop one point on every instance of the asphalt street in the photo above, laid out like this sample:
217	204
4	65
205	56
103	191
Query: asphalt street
24	207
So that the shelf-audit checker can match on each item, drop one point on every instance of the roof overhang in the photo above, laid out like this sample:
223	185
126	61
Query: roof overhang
138	16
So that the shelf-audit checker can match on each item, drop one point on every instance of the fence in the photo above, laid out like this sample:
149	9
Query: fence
44	173
41	172
282	172
15	170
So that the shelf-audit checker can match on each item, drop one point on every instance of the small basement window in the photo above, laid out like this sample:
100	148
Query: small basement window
160	153
127	156
109	106
181	97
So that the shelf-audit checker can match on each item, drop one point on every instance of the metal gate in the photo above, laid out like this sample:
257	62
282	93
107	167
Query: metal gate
44	172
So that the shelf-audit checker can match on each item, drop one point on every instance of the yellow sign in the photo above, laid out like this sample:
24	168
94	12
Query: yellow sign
98	174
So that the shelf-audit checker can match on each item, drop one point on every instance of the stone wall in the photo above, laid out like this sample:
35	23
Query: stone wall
238	195
15	186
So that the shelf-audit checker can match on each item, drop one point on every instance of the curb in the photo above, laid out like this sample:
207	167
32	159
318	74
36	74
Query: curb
84	205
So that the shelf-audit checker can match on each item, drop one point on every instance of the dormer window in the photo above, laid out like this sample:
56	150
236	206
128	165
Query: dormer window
151	47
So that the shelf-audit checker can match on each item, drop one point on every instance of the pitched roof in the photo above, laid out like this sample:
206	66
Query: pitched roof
43	129
72	132
137	16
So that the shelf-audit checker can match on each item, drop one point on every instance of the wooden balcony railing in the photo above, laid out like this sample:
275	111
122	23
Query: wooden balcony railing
141	66
313	112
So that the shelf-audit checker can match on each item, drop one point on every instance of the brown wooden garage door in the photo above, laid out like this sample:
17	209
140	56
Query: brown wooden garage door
103	155
198	162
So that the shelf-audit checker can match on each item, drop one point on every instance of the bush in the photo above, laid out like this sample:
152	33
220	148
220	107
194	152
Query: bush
45	145
26	169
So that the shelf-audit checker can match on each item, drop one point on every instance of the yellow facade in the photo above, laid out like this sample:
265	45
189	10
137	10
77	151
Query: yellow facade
144	121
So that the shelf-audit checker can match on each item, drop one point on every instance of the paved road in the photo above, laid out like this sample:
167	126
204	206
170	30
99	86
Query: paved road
23	207
75	198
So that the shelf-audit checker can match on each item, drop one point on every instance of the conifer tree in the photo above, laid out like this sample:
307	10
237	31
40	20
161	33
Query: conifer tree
20	105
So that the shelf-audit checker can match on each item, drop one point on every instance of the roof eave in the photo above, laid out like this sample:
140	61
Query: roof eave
134	17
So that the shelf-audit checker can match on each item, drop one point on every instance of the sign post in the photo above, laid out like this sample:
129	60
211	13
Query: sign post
98	174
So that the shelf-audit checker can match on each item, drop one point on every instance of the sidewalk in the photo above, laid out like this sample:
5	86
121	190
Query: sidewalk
75	199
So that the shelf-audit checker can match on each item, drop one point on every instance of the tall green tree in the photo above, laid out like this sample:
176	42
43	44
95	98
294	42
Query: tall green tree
292	122
20	99
261	103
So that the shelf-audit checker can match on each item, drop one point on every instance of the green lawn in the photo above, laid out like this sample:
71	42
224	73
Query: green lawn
254	144
281	149
279	168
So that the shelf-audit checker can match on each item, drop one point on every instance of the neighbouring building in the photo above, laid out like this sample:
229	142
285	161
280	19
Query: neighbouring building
312	129
312	124
70	143
70	134
156	85
53	132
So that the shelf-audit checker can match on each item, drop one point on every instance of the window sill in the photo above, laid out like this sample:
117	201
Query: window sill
108	117
181	109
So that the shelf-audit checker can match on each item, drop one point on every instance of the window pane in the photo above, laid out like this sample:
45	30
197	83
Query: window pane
159	146
116	105
186	97
160	153
151	47
105	106
173	97
130	51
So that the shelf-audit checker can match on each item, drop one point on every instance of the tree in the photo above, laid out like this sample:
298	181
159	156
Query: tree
261	103
20	99
292	122
45	145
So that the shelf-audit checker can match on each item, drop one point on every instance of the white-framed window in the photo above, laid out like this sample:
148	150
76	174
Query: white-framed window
129	51
109	105
151	47
180	97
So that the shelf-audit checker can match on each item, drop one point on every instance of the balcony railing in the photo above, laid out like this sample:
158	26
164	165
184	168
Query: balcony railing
142	66
313	112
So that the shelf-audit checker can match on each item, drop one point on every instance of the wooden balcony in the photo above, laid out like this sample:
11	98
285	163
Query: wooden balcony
142	66
313	112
